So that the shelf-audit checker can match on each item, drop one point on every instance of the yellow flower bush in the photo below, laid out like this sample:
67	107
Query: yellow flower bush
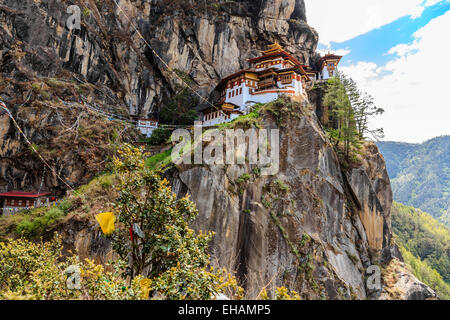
37	271
281	293
168	252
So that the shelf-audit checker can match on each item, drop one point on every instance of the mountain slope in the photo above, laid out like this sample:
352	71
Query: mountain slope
420	174
425	245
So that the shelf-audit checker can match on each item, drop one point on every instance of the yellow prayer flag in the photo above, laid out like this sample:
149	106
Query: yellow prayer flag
106	221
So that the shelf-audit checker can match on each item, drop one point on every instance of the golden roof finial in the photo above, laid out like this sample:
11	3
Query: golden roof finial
273	48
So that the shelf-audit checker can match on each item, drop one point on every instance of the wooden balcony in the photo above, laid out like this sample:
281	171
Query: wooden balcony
267	83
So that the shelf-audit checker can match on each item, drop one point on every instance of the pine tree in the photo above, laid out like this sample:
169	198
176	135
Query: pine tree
345	135
363	106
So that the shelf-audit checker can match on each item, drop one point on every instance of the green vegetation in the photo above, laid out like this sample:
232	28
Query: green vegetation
425	246
159	136
160	159
33	227
344	135
279	187
279	110
363	107
420	175
166	250
180	109
243	178
351	111
38	271
250	120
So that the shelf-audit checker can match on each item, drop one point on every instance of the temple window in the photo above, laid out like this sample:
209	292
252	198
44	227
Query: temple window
287	78
240	91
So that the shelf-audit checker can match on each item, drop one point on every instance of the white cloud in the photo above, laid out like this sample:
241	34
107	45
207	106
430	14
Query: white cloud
414	86
343	20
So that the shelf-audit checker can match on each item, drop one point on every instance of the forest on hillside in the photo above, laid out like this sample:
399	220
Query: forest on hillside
425	246
420	175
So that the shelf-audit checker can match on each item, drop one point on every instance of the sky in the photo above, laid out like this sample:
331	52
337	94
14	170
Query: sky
399	52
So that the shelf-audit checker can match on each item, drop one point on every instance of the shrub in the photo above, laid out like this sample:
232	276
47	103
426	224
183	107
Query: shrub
37	271
244	178
33	228
65	206
159	136
167	251
163	158
279	187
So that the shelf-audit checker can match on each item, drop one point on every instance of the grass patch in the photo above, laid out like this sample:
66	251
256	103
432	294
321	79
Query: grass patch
253	119
33	227
159	159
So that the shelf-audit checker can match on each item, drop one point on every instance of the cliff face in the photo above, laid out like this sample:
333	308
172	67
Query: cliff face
202	43
318	236
315	227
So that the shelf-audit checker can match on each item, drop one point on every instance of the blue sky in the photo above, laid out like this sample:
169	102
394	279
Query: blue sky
374	45
395	50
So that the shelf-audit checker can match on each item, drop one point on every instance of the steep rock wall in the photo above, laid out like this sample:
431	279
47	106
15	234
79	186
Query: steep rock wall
201	43
262	235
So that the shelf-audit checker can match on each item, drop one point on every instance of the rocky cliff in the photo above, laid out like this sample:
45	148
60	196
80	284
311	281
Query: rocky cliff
315	227
201	41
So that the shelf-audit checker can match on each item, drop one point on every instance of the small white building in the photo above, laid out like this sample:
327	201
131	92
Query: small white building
147	126
328	65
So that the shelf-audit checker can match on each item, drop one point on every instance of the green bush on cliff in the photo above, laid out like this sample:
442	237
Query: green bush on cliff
34	224
159	136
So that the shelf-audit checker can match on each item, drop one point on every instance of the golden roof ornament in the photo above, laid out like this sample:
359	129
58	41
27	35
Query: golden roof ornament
275	47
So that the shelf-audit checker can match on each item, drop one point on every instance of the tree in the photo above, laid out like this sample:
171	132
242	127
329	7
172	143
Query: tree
363	106
155	237
180	109
345	134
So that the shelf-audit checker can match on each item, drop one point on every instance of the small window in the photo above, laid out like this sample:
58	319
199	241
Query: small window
240	91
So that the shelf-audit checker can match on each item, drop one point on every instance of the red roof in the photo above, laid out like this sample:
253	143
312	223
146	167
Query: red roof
330	57
20	194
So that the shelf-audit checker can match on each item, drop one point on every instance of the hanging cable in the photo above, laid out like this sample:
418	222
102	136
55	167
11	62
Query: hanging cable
3	106
162	60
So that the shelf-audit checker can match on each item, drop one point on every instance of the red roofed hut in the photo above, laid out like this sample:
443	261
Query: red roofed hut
14	201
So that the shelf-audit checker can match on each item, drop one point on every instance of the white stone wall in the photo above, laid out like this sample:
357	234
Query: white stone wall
324	74
263	98
220	119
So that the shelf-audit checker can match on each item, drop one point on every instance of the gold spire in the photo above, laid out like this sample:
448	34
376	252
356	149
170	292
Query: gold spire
275	47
